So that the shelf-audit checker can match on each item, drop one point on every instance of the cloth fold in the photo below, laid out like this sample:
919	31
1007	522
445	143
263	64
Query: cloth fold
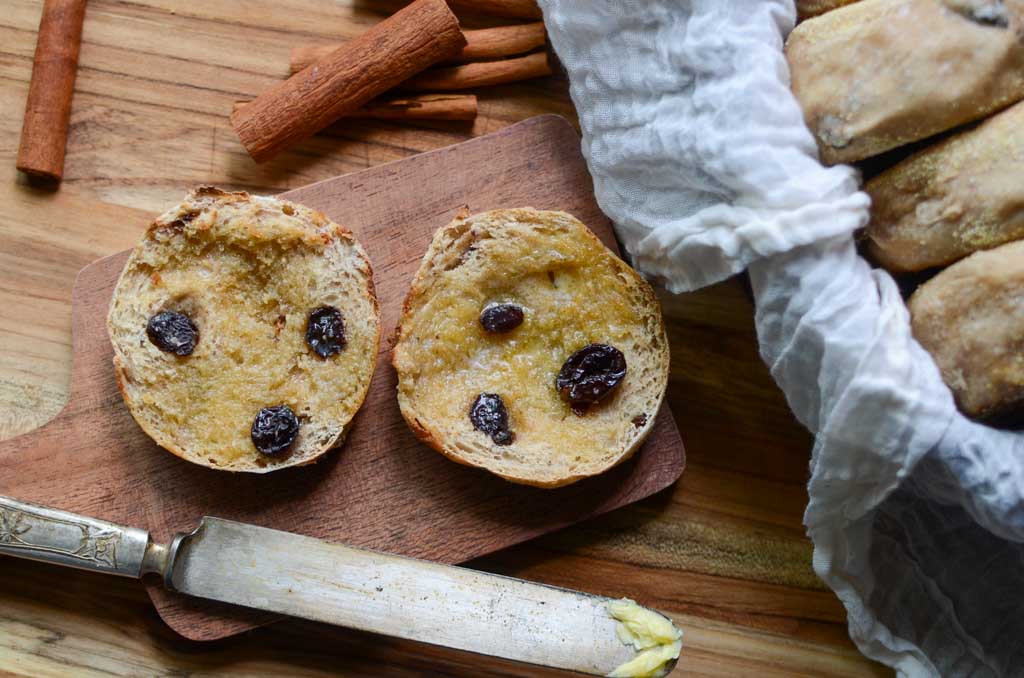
700	157
697	149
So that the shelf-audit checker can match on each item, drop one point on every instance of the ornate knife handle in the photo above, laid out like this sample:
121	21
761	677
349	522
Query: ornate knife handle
52	536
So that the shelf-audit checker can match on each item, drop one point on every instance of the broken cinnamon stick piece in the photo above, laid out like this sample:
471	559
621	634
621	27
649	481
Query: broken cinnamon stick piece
44	132
502	41
481	74
422	107
516	9
415	37
486	43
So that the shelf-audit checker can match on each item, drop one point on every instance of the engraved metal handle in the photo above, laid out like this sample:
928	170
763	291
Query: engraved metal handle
52	536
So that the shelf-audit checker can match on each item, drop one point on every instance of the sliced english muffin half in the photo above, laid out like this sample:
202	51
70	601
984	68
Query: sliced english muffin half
529	349
245	331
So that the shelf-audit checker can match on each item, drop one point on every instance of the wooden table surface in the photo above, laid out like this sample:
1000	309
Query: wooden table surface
723	552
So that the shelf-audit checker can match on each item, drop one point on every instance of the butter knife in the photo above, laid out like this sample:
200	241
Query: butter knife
357	588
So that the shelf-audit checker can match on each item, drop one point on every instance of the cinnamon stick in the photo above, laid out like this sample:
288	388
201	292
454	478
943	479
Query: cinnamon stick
517	9
391	52
502	41
481	74
422	107
44	132
486	43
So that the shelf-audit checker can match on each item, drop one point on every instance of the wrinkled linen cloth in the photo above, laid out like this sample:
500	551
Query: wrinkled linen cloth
700	157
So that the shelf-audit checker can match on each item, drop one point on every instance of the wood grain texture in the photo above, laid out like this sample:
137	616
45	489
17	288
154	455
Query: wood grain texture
723	551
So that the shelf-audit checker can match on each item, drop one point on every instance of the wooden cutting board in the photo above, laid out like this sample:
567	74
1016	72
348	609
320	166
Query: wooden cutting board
382	489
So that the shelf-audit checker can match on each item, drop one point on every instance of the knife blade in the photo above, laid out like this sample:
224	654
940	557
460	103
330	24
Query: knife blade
357	588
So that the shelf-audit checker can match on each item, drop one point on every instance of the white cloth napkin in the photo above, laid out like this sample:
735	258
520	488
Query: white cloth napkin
700	156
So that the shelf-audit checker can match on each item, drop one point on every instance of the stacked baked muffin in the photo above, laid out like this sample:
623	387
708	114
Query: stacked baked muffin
933	85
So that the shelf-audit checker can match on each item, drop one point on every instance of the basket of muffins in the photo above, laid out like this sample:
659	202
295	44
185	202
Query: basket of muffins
926	97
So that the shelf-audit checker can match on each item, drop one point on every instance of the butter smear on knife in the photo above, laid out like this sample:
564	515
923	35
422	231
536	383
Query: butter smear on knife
656	639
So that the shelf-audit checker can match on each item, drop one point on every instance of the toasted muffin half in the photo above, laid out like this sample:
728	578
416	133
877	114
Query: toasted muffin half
501	302
970	318
245	331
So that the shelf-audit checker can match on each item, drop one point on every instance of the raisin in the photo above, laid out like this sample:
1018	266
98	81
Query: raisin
325	331
173	333
499	318
184	219
489	415
992	14
590	374
274	429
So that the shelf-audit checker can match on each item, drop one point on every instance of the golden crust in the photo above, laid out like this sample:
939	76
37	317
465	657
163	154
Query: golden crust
866	74
968	317
503	254
808	8
434	441
953	198
248	270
